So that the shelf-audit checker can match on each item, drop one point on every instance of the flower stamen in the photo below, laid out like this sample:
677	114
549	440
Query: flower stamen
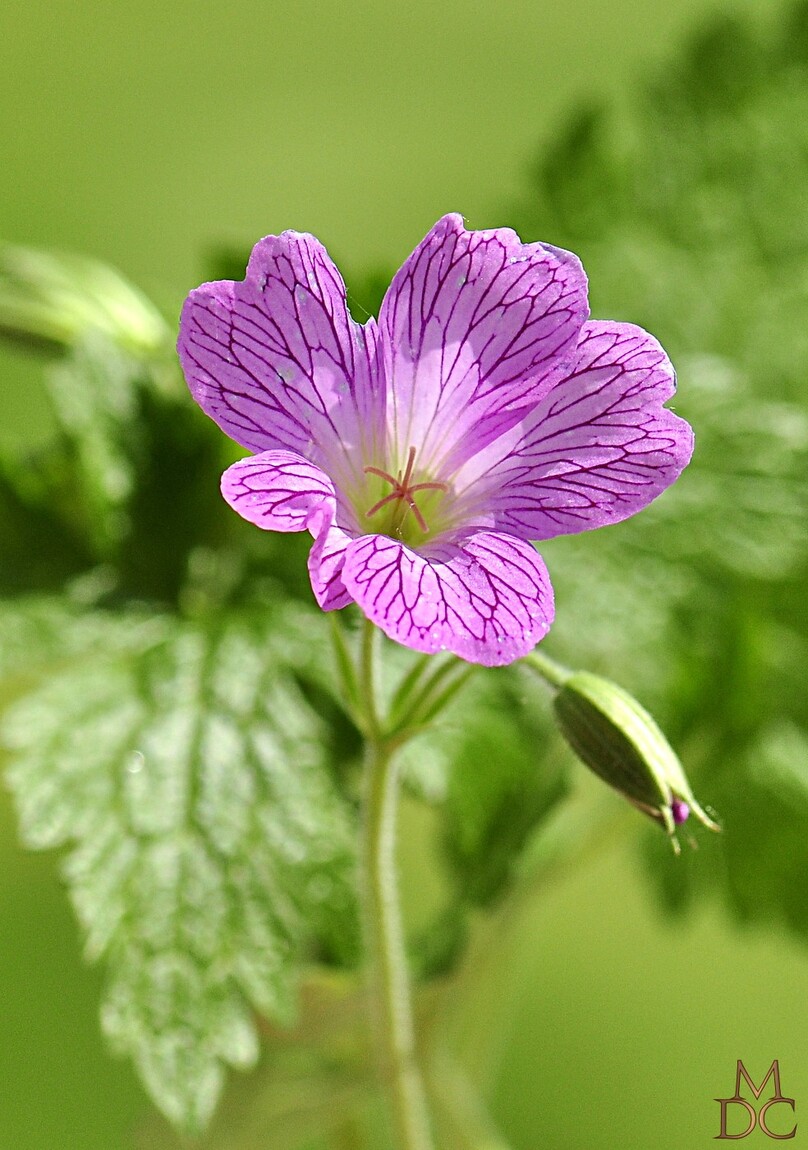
403	490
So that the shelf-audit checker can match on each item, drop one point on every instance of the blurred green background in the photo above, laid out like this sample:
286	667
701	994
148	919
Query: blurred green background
150	136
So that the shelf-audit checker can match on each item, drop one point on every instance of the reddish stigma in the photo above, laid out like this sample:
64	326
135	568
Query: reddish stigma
403	490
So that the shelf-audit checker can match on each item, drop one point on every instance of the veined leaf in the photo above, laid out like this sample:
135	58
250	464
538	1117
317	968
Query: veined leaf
42	635
209	849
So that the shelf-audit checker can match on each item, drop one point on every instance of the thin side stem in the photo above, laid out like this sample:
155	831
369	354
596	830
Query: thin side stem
346	669
428	697
407	687
425	689
368	682
548	669
455	1097
433	701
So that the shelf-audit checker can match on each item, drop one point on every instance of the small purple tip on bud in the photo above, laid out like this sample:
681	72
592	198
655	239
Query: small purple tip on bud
680	811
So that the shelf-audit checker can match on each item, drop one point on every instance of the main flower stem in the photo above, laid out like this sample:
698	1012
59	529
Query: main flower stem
384	933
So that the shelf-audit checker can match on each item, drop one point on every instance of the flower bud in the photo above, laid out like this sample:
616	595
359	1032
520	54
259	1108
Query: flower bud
618	740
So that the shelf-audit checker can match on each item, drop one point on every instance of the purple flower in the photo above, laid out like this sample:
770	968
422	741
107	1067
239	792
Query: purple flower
426	450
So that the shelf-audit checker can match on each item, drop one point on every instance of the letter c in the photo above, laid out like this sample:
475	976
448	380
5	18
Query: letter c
762	1119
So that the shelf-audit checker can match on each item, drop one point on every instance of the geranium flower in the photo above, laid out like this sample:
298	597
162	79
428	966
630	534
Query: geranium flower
424	452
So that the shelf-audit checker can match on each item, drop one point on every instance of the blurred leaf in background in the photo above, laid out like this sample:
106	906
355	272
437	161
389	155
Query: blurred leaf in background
158	723
689	214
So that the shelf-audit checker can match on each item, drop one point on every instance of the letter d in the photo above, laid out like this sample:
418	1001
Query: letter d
750	1110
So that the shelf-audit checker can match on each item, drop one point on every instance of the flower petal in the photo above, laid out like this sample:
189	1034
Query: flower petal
326	561
596	450
486	598
278	361
474	327
277	490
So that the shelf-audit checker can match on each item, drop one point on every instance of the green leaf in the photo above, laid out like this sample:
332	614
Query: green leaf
67	506
94	392
41	546
42	635
687	208
737	518
145	464
502	782
752	457
699	238
132	481
316	1076
210	852
58	298
176	505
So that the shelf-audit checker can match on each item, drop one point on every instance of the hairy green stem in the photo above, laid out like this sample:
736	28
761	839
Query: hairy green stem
384	931
385	940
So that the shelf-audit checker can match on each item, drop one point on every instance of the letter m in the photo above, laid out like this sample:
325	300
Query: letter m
774	1070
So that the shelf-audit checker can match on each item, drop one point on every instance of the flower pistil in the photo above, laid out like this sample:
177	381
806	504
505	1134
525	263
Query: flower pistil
403	494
